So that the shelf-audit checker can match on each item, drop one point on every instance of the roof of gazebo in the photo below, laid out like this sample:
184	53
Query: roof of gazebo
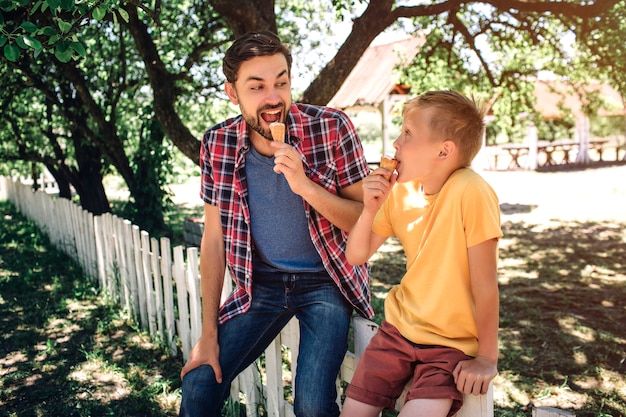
375	76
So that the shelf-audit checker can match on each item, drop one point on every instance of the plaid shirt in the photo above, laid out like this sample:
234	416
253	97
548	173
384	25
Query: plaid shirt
332	157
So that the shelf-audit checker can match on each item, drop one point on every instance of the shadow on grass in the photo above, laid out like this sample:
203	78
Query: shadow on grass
562	316
64	351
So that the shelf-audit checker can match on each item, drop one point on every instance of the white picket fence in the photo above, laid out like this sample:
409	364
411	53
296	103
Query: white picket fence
160	289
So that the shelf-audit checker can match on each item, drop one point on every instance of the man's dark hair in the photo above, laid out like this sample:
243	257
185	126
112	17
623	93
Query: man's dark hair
251	45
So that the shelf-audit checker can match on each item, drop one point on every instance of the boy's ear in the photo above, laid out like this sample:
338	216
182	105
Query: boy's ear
231	92
448	148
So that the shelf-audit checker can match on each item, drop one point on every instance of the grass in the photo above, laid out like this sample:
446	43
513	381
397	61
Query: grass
66	352
563	308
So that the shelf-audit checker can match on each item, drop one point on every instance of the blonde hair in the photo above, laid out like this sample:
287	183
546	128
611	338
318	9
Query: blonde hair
456	118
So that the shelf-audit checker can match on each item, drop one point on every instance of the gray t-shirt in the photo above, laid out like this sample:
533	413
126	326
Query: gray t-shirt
279	225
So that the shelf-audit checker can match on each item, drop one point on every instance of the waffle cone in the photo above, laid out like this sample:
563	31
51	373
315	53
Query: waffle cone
278	131
388	163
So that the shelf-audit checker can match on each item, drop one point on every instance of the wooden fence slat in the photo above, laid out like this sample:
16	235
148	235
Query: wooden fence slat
99	234
195	293
184	327
141	291
168	296
147	281
274	375
92	269
130	272
121	249
158	287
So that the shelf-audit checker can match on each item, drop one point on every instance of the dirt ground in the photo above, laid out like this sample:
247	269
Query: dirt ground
597	193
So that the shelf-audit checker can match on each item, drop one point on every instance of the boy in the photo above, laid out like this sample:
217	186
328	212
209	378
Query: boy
441	322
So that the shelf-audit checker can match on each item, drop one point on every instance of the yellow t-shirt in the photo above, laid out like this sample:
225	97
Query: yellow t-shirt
433	304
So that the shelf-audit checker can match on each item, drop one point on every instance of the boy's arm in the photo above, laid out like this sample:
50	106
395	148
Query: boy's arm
362	242
473	376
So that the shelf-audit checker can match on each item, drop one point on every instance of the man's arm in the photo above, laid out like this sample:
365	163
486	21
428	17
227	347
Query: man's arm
342	210
473	376
212	269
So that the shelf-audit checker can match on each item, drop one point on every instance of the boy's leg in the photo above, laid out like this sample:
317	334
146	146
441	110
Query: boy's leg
354	408
425	407
242	339
324	319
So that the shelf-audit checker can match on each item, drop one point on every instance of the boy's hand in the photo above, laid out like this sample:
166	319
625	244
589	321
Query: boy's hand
473	376
376	188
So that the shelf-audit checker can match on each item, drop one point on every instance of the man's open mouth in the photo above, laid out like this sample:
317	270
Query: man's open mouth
273	115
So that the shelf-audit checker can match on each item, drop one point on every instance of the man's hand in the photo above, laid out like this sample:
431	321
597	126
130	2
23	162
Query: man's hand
473	376
205	352
287	161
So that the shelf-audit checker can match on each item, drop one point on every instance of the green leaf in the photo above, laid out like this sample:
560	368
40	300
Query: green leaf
64	26
79	48
99	13
48	31
3	40
11	52
67	5
62	52
32	42
123	14
54	4
29	27
37	5
20	42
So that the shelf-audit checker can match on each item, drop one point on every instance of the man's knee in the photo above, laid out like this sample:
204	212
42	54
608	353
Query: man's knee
201	394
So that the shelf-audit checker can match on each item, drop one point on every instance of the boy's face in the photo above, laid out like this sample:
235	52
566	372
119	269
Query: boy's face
262	92
416	148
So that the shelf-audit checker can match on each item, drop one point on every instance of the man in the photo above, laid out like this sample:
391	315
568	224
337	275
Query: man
277	214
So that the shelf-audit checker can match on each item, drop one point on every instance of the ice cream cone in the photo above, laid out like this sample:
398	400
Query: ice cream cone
278	131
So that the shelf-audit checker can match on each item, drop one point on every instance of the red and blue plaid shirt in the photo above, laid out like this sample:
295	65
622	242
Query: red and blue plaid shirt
333	158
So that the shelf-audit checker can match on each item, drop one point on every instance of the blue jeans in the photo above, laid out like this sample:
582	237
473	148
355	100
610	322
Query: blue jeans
324	319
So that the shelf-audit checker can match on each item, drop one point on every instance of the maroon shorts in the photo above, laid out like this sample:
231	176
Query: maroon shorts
390	361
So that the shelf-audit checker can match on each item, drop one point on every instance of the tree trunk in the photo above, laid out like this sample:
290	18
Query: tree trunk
88	180
164	88
62	181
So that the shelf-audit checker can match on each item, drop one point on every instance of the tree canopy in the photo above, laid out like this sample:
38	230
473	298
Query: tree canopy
87	85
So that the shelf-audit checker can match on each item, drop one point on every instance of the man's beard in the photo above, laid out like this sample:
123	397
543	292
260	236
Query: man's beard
255	124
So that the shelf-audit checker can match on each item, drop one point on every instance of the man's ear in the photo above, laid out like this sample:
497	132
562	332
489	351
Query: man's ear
231	92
